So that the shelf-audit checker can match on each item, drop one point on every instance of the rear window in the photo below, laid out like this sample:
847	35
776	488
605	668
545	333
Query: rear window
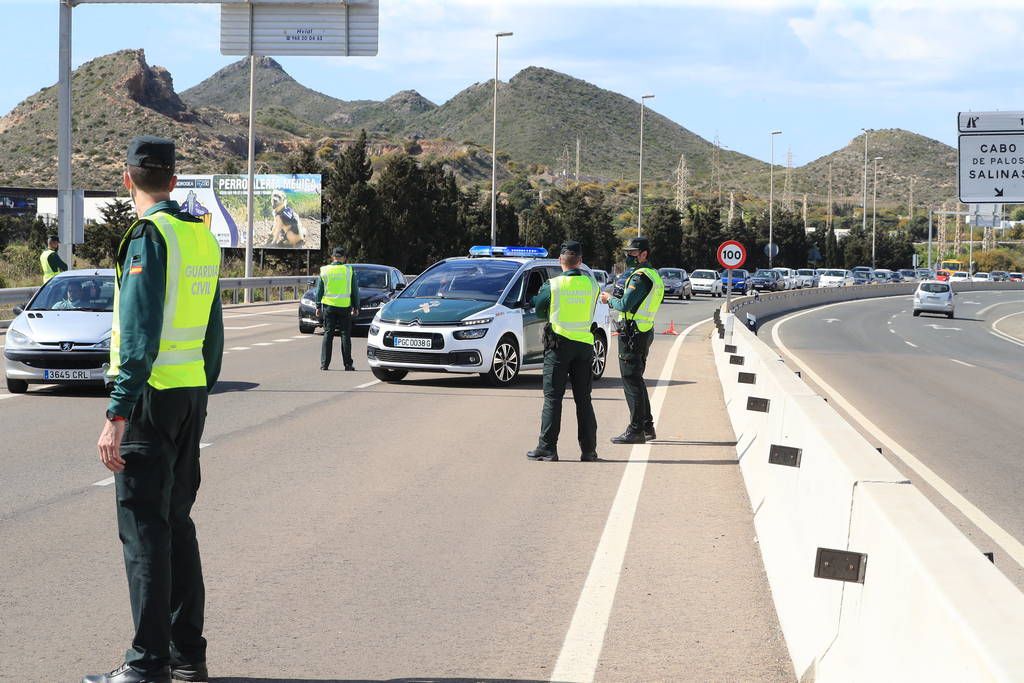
935	287
805	271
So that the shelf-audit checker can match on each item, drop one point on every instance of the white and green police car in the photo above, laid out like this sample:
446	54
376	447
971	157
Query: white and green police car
473	315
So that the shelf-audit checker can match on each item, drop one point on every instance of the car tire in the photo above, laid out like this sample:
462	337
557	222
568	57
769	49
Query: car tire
306	329
17	386
689	296
917	313
389	374
506	363
600	362
949	315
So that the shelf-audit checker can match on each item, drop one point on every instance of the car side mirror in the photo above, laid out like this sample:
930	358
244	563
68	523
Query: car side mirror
399	286
18	310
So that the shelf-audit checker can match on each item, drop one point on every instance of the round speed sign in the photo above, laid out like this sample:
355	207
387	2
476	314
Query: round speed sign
731	254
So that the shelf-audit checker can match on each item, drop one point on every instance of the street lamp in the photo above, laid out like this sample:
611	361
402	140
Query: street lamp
864	211
771	197
494	142
640	185
874	202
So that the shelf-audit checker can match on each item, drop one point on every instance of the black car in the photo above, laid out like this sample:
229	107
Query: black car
377	285
765	280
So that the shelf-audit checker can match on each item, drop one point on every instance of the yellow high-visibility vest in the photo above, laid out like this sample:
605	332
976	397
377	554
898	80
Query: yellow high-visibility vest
337	279
573	300
44	260
644	315
193	269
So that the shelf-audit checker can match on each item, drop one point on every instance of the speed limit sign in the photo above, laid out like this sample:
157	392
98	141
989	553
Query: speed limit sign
731	254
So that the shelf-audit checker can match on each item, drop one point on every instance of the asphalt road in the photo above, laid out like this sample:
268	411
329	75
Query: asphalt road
358	531
950	392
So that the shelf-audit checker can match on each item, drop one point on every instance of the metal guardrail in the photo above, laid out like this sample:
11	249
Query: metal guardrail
16	295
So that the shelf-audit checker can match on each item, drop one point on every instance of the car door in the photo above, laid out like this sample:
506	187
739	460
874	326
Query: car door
533	325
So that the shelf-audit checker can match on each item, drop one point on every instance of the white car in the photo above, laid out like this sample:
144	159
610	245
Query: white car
981	277
808	277
62	336
473	315
908	274
706	282
789	277
933	296
835	277
960	276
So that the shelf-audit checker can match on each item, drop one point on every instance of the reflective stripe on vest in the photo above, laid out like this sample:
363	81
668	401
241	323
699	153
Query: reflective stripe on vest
644	315
193	269
337	279
44	260
573	300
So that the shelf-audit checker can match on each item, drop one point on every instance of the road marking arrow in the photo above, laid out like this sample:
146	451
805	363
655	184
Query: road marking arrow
940	327
832	320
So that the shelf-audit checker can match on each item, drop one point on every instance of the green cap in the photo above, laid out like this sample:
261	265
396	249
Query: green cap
149	151
572	246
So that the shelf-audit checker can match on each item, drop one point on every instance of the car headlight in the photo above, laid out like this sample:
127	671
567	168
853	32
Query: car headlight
308	302
374	330
105	344
477	321
15	338
476	333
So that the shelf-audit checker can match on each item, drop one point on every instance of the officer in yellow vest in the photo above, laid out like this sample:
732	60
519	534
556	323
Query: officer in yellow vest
50	260
568	302
337	297
638	304
165	356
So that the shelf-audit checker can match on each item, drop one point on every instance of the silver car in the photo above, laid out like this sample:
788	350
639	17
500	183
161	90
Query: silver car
62	336
933	296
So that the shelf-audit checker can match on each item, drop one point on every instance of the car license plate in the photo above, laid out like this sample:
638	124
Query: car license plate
66	374
412	343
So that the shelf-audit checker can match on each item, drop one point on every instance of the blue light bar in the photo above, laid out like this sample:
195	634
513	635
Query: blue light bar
514	252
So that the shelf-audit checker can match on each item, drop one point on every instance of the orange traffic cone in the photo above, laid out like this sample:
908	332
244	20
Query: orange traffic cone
671	329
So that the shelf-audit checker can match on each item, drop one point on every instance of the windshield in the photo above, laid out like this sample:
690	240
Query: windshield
764	273
670	272
835	273
76	293
805	271
703	275
934	287
468	279
737	273
372	278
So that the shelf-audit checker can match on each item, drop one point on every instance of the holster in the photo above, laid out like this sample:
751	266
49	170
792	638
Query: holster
550	338
627	333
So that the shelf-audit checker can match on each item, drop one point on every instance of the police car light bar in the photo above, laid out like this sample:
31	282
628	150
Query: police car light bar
515	252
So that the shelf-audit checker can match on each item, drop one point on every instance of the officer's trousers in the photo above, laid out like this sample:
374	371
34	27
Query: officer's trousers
337	321
155	494
571	362
632	364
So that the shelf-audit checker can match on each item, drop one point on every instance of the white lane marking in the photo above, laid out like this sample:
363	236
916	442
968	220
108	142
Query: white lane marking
832	320
940	327
1000	303
1005	335
910	343
368	384
581	649
247	327
303	336
239	348
892	330
3	396
110	480
281	310
283	341
1012	547
263	344
963	363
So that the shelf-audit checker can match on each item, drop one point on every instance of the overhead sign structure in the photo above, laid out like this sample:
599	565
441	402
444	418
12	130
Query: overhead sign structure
991	157
343	29
731	254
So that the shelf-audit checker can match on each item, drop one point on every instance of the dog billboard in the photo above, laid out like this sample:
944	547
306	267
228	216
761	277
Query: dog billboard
287	208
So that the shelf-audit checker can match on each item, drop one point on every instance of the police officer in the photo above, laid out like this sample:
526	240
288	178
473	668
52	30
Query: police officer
567	302
50	260
337	299
165	356
637	304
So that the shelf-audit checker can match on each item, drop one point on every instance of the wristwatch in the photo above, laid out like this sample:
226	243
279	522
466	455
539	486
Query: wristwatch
114	417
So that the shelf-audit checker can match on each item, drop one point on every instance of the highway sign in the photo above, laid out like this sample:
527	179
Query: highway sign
731	254
991	122
346	29
984	215
991	168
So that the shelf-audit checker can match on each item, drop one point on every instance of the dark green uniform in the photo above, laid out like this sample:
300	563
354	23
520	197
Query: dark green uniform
158	487
633	354
57	264
569	361
337	321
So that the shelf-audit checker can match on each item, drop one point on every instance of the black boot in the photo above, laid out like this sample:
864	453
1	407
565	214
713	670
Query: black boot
589	457
629	436
126	674
649	432
189	672
542	455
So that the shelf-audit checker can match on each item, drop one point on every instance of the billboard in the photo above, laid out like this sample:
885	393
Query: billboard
287	208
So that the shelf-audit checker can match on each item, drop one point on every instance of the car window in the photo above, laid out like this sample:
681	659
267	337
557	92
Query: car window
372	278
704	274
76	293
535	280
934	287
469	279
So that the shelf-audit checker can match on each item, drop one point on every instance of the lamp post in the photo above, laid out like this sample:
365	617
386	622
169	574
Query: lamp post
874	202
771	198
494	142
640	185
864	205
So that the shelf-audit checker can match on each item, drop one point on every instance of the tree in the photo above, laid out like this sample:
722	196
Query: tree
103	239
664	227
702	233
583	215
832	254
304	160
351	204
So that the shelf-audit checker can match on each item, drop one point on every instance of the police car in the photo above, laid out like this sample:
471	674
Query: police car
473	315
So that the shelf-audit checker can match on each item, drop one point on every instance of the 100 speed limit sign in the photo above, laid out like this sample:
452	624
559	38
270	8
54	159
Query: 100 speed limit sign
731	254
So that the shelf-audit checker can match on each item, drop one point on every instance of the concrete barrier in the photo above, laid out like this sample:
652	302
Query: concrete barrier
910	597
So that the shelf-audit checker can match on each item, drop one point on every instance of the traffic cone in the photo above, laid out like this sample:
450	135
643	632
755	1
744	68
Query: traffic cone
671	329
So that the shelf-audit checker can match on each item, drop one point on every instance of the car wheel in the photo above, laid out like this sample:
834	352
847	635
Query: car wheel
917	313
949	315
505	365
388	374
689	296
306	329
17	386
600	356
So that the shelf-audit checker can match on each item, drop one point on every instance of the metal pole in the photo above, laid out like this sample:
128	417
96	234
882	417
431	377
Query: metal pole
874	204
771	199
970	244
65	212
252	154
494	143
929	264
640	184
864	211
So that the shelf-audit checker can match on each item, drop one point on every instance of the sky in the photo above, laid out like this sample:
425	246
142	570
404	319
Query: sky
817	70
